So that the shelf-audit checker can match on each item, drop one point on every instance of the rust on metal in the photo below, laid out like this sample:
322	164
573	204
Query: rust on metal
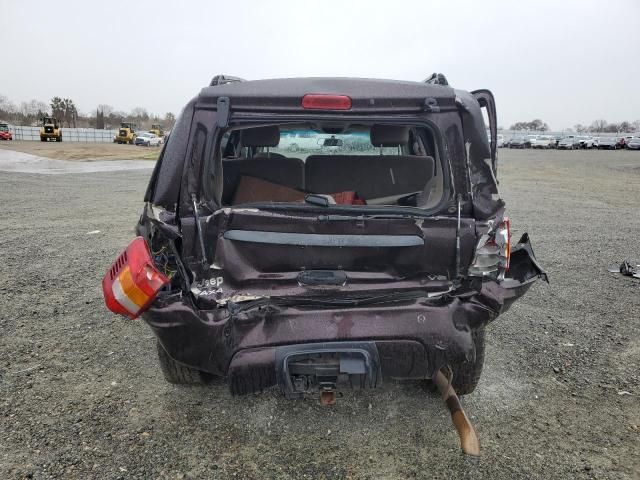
468	439
327	398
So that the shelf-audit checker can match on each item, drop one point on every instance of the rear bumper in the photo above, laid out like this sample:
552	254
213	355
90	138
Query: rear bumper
413	339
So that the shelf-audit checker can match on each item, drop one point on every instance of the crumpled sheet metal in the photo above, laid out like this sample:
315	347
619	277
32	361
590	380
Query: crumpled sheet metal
439	328
627	268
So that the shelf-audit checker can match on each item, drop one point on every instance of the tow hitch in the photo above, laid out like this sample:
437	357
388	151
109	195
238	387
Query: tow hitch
305	368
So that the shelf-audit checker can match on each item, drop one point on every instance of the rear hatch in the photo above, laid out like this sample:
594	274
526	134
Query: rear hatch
259	253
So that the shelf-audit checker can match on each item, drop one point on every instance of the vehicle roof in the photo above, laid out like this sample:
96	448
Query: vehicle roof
364	92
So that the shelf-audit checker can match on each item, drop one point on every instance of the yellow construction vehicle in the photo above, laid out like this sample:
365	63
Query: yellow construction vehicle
126	133
50	128
157	129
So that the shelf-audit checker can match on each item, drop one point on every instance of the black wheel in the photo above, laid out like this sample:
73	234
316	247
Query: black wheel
43	139
466	375
179	374
59	139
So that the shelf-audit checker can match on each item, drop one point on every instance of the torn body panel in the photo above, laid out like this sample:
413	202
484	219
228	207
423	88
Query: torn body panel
257	253
415	335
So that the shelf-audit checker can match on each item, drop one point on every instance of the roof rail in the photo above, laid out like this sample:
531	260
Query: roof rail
224	79
437	79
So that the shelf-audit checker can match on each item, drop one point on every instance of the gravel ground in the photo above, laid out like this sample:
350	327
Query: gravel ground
81	395
76	151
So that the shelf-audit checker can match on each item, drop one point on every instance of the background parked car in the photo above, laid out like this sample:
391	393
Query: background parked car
634	143
148	139
544	141
607	143
569	143
499	140
5	133
532	139
586	142
520	142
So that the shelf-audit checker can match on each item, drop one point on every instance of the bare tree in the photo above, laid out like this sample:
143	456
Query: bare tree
598	125
6	105
140	113
169	120
536	125
57	108
624	126
105	109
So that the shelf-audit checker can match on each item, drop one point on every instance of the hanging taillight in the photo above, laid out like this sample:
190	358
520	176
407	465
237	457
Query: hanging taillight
133	281
493	252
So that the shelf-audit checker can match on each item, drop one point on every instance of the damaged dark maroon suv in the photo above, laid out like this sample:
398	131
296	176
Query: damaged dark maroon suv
309	232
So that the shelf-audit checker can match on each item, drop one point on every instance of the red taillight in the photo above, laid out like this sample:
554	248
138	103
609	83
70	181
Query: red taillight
315	101
133	281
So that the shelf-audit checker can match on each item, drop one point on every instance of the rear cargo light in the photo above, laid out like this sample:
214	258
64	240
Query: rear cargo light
493	252
315	101
133	281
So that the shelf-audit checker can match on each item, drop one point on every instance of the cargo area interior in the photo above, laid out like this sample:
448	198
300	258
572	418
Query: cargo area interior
351	164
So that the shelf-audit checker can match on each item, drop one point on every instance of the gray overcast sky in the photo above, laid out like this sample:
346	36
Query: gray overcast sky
564	62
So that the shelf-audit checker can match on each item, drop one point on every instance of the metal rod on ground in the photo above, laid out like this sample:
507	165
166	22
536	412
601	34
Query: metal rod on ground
468	438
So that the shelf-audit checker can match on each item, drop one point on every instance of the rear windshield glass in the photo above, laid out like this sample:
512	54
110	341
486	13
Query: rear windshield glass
310	142
354	164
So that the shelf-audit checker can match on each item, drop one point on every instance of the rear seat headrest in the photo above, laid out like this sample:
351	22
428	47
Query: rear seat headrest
389	135
261	136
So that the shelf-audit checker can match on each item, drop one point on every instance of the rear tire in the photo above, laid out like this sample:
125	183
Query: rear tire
179	374
466	375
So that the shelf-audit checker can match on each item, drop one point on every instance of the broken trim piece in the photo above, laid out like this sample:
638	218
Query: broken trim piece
468	438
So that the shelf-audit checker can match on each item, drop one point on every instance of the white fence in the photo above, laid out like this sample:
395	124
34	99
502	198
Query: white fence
508	134
84	135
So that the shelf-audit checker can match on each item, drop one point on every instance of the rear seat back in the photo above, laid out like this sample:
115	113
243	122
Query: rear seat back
271	167
371	176
283	171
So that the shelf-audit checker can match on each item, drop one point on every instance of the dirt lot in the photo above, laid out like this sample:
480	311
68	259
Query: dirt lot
82	151
81	395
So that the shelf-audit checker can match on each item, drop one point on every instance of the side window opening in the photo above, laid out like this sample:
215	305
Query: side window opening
378	165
